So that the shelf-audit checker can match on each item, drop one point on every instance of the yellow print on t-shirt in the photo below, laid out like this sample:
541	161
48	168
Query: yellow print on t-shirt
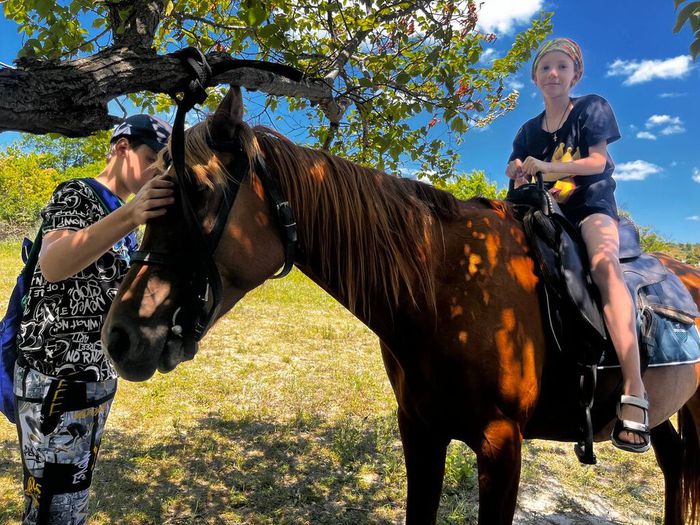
564	185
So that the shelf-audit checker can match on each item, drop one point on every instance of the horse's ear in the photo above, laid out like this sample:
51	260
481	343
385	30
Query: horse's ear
231	106
227	117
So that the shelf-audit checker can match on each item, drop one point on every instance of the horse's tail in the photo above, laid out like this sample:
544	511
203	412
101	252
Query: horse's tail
690	475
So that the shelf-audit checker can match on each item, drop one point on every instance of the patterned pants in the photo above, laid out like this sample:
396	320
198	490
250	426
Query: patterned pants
60	425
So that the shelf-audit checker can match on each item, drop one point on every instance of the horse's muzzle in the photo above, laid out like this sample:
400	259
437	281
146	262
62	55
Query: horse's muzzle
134	357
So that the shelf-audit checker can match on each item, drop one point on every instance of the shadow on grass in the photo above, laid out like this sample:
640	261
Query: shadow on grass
253	471
245	471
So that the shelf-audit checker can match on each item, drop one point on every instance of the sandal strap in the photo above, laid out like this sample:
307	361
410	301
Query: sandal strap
638	402
634	400
634	427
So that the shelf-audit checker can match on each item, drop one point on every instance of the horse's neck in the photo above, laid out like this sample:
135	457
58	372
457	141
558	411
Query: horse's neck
378	280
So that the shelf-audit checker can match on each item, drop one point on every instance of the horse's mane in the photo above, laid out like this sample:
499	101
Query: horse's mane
373	233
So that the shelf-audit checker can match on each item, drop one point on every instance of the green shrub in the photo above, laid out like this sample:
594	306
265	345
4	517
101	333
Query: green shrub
26	185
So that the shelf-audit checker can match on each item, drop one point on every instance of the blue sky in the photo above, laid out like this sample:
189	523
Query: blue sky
633	59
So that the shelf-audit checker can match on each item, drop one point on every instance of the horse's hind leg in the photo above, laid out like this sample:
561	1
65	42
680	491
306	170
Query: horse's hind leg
424	453
689	430
498	459
669	455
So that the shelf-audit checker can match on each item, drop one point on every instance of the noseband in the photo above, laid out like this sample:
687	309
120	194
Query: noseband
204	279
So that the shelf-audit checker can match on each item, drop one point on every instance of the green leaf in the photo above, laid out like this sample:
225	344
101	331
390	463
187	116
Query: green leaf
695	49
403	78
44	8
686	12
458	125
256	15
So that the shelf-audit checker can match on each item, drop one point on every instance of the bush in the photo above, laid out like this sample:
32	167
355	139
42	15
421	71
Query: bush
26	186
474	184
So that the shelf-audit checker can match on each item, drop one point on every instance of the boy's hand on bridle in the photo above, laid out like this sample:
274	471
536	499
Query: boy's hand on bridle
152	200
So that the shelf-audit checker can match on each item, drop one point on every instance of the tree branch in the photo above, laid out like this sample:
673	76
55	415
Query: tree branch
71	97
181	17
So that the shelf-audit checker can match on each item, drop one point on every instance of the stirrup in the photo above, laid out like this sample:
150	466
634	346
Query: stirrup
625	425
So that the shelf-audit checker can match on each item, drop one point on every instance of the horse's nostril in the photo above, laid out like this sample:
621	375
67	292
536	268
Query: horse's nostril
118	343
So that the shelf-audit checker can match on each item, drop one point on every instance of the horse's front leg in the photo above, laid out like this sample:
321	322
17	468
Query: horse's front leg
424	453
498	459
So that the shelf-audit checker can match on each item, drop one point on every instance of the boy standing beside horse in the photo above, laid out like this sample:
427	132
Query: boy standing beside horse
64	383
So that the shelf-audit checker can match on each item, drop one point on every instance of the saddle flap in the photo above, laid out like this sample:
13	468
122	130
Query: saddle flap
564	267
582	292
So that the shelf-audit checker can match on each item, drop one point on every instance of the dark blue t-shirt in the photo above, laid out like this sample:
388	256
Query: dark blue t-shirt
590	122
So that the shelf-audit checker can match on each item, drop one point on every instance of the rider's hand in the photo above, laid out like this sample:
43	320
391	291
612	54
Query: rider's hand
151	200
532	165
514	170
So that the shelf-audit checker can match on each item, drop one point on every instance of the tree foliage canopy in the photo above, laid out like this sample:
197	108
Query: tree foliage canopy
375	71
690	14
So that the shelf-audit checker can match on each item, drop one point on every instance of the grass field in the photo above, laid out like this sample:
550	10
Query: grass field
286	416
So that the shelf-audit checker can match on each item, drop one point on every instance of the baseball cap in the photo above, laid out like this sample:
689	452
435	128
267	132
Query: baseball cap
151	131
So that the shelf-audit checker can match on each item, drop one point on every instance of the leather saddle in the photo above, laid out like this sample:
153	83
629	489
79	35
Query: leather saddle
571	302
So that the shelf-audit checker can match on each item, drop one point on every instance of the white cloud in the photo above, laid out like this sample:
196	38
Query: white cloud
673	125
672	95
635	170
488	55
673	130
696	175
515	85
660	120
646	135
501	16
693	218
640	71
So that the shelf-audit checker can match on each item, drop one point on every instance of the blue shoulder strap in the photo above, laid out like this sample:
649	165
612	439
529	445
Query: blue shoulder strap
110	202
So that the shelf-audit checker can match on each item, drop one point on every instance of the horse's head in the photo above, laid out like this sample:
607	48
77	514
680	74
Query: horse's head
216	243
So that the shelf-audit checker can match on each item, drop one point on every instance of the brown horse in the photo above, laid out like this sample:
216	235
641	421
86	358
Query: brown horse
448	286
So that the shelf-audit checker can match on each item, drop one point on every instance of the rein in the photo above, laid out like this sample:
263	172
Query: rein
205	283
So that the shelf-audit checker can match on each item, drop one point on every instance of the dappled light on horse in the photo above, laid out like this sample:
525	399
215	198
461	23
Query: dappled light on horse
449	287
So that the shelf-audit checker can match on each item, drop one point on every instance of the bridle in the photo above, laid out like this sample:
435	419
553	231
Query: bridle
204	281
